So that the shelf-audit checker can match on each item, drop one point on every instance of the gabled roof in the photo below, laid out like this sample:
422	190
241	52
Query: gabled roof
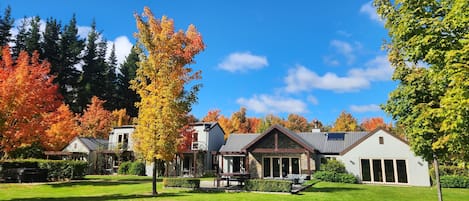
293	136
236	142
94	144
319	140
369	135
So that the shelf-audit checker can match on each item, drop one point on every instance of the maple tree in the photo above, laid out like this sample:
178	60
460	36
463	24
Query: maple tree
27	94
373	123
63	128
160	81
212	116
120	118
345	122
95	121
297	123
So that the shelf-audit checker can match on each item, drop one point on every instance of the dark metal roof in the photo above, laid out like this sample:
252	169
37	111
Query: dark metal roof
236	142
317	140
94	144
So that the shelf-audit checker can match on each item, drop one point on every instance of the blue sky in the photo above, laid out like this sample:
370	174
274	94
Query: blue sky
314	58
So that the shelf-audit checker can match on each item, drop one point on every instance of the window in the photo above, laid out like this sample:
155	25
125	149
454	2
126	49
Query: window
384	170
401	171
381	140
280	167
236	164
75	145
267	167
366	174
377	170
389	170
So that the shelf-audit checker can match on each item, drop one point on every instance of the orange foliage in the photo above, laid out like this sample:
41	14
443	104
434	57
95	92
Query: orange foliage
212	116
27	95
187	135
63	128
120	118
96	121
373	123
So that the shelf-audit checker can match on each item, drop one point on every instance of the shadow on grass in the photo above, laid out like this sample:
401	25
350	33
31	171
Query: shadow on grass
103	197
94	183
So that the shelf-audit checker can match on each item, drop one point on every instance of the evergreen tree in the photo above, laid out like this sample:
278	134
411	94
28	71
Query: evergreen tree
33	35
70	48
6	23
50	46
110	94
127	96
20	41
93	76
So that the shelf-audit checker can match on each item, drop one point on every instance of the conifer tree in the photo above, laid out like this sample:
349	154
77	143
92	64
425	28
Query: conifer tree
127	96
6	23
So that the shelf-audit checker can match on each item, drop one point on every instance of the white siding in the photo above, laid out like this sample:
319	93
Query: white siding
76	146
393	148
114	137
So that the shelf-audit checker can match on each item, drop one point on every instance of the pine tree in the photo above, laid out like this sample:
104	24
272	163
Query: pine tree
127	96
50	46
33	35
6	23
20	40
70	48
110	94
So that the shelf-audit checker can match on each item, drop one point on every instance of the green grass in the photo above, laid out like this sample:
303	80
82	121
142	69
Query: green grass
102	188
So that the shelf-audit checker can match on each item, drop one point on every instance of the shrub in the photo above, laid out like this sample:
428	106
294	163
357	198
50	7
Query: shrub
124	168
137	168
181	182
268	185
57	169
333	166
449	170
335	177
454	181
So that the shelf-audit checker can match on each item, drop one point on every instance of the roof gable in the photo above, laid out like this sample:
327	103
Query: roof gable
368	136
277	128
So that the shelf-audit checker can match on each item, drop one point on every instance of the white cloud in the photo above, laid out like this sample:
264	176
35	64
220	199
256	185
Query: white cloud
83	31
243	61
272	104
345	49
330	61
123	47
369	10
344	33
378	69
313	100
303	79
365	108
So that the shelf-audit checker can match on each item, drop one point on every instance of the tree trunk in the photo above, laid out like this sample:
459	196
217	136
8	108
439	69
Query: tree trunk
437	177
154	191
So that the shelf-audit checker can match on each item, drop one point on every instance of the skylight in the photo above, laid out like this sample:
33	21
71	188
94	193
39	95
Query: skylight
336	136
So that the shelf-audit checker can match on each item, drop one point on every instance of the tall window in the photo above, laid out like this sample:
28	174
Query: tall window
384	170
267	167
280	167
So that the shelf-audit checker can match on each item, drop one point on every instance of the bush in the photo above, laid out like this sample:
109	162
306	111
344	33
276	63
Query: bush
454	181
335	177
446	170
124	168
181	182
268	185
137	168
333	166
57	169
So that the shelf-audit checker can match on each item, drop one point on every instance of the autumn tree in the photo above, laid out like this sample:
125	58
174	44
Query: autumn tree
160	81
345	122
297	123
63	128
226	125
95	121
373	123
431	101
212	116
120	118
269	121
27	95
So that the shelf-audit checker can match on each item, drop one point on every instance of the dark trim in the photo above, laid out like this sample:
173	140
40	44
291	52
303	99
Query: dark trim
268	150
232	153
369	135
291	135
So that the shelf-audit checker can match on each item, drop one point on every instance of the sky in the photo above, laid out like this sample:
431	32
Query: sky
313	58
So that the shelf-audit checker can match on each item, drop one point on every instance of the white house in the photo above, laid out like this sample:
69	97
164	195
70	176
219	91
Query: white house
373	157
119	138
87	149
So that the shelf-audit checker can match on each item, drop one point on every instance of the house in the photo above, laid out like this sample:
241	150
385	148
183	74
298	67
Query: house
373	157
120	146
200	157
88	149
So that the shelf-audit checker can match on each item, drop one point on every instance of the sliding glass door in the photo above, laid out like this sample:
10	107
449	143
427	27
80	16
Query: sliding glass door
280	167
383	170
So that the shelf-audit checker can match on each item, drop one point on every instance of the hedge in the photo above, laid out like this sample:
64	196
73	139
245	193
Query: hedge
446	170
266	185
454	181
57	169
181	182
335	177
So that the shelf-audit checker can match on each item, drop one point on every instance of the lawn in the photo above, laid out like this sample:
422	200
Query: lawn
139	188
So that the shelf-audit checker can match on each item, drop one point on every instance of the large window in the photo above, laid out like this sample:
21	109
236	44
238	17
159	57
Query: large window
384	170
280	167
